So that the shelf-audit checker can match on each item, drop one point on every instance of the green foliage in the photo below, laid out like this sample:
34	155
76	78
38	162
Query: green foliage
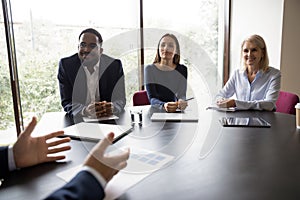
39	87
40	44
39	91
6	108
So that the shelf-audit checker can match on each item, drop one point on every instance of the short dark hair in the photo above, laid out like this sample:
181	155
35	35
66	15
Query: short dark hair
93	31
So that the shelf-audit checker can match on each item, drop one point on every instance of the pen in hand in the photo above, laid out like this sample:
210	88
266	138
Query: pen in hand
122	135
188	99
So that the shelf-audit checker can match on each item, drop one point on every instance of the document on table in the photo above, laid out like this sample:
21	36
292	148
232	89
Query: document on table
140	164
230	109
174	117
93	131
89	119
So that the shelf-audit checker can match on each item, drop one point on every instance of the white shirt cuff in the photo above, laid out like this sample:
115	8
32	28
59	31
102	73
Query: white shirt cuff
98	176
11	159
82	111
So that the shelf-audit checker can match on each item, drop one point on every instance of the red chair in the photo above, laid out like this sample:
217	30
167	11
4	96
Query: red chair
286	102
140	98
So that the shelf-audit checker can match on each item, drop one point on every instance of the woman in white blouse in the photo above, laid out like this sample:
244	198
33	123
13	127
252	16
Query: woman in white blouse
257	85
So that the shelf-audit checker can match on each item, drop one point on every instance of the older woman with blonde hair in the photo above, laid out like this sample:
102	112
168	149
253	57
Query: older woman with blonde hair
257	85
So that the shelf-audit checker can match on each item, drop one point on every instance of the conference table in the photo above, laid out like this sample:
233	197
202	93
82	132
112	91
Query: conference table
210	161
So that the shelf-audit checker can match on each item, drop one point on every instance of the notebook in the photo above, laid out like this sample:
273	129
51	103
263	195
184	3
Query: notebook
93	131
244	122
230	109
90	119
174	117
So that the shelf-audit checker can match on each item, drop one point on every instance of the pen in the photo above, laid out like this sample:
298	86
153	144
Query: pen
189	99
122	135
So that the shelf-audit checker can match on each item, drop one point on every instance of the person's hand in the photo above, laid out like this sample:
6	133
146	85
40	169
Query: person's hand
106	165
171	106
104	109
182	104
29	151
99	109
226	103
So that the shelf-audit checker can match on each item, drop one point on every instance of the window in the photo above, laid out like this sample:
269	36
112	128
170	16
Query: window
196	24
7	125
44	34
48	30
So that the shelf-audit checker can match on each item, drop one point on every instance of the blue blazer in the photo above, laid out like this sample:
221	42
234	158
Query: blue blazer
3	161
82	186
73	86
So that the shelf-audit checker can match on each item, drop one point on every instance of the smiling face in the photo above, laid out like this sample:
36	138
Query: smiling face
167	48
252	55
89	49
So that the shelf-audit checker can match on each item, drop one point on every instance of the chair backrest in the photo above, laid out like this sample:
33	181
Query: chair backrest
286	102
140	98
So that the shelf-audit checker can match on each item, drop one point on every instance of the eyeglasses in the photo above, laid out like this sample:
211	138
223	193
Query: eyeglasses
83	45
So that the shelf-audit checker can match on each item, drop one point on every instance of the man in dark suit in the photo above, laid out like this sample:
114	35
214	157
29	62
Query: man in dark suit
89	183
90	82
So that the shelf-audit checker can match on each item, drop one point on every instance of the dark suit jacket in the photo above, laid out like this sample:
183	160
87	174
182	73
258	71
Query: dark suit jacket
3	161
73	87
82	186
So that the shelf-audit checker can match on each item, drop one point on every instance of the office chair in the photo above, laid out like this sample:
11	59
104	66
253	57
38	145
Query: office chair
286	102
140	98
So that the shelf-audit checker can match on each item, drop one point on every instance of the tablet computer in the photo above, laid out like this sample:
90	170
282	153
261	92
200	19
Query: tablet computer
244	122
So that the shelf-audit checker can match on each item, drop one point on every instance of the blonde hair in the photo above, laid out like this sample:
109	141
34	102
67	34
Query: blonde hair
259	41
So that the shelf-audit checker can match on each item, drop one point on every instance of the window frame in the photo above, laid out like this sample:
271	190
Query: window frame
6	7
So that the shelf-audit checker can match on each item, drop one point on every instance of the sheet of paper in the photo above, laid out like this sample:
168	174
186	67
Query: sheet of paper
231	109
141	164
93	131
88	119
182	117
55	121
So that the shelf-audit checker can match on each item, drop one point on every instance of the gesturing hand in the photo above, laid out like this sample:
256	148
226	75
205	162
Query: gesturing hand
29	151
106	165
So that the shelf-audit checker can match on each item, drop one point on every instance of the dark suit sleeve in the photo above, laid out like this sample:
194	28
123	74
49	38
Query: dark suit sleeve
118	97
3	161
83	186
112	83
67	73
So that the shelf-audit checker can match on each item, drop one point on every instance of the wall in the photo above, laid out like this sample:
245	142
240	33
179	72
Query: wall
290	65
262	17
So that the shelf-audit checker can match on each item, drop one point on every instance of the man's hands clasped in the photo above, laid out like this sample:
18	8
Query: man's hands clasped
99	109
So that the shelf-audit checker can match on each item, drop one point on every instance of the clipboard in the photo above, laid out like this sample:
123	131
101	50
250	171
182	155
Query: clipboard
244	122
